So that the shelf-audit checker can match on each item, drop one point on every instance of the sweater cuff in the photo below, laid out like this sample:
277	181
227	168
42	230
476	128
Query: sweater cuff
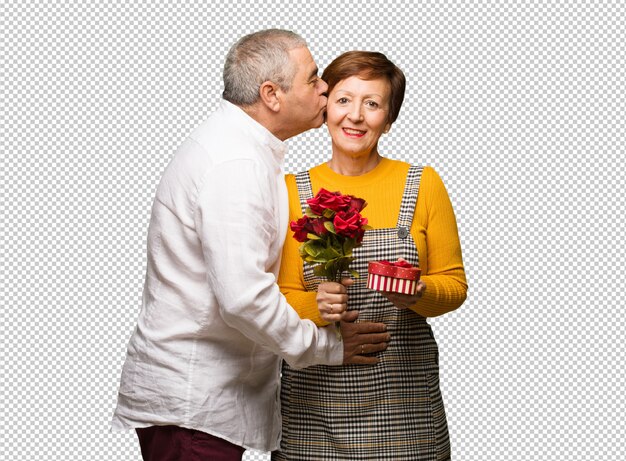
312	312
439	299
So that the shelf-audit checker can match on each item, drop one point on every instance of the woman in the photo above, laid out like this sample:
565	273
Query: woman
392	410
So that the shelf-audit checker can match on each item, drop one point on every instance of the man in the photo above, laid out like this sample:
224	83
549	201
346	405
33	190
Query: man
201	376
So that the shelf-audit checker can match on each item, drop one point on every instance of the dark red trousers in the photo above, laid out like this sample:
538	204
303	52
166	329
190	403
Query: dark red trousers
173	443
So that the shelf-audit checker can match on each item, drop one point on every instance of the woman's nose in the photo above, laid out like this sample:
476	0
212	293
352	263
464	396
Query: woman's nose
355	113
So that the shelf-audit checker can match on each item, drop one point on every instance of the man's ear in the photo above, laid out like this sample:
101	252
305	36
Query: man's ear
269	95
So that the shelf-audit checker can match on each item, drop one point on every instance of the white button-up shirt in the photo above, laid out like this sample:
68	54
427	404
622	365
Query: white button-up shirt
206	350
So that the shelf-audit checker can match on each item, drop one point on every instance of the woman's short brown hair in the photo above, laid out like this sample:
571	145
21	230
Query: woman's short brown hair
368	65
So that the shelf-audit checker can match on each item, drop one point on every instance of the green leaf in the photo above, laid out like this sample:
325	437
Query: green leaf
355	274
348	245
312	249
308	212
329	253
329	226
320	271
313	236
328	213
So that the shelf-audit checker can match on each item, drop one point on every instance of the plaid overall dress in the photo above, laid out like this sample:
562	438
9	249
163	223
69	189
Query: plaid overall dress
389	411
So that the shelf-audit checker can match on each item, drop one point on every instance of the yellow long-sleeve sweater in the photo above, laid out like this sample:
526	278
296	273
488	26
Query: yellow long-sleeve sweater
434	231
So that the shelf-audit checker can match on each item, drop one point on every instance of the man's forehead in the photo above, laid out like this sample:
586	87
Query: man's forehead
303	56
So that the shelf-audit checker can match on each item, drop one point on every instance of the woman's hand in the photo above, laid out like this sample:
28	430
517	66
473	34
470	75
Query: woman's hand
332	299
402	301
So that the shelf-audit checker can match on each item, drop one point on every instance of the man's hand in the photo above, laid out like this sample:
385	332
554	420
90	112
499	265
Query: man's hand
362	338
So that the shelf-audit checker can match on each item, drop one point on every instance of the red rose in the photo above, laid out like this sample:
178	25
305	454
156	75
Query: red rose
356	203
305	225
349	224
325	200
301	228
318	226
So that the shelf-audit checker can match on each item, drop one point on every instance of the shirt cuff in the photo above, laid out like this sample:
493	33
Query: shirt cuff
332	354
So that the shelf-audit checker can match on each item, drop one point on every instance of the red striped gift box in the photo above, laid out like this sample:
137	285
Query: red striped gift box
398	277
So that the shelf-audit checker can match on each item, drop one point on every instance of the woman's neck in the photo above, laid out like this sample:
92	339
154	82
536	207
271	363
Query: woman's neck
353	166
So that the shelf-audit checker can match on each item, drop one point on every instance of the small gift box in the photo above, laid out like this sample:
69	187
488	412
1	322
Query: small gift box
399	277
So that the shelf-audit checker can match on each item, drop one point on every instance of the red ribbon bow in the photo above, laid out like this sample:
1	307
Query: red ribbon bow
396	263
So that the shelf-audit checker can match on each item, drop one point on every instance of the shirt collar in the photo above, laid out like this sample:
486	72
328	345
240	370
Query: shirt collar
261	134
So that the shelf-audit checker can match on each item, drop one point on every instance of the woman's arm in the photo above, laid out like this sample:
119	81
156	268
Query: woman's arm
446	286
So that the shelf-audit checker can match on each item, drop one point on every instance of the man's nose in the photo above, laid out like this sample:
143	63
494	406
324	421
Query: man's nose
323	87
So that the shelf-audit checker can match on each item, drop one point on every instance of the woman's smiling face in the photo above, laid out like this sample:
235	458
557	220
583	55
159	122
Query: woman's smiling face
357	115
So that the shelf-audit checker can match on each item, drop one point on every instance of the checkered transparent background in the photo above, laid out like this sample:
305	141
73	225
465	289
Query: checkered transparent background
519	105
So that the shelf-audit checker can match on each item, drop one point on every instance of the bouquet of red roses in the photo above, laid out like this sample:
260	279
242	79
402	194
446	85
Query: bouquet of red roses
330	229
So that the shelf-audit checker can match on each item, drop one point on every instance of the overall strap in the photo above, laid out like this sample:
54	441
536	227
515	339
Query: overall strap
409	199
305	190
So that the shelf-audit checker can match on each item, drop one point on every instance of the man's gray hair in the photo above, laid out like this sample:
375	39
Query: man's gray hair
256	58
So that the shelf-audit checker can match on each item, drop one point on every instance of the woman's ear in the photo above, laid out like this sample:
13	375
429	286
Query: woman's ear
269	95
